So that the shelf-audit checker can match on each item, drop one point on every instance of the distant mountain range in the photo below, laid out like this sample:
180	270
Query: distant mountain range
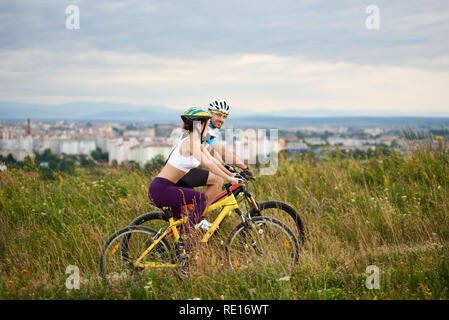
94	111
115	112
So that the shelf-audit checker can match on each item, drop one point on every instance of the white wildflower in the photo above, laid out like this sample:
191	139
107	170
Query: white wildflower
286	278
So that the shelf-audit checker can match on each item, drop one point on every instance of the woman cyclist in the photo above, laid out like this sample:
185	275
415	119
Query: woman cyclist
188	153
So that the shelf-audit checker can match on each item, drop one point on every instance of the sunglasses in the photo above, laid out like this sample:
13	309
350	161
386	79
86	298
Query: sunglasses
220	114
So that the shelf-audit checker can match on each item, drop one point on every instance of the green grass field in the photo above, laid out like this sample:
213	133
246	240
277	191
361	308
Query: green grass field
388	211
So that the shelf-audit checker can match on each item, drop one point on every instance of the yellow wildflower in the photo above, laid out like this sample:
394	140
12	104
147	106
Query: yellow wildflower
425	290
61	181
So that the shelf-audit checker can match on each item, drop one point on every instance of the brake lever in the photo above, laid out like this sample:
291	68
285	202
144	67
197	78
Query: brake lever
239	176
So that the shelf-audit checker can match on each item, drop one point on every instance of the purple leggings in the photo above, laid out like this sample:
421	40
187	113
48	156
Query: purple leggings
165	193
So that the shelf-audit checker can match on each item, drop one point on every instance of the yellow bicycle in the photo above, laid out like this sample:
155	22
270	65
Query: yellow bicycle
279	210
257	241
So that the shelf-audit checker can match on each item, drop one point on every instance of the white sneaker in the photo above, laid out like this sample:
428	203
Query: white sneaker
203	224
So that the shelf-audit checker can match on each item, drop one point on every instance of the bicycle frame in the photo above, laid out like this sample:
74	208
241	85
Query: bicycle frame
228	204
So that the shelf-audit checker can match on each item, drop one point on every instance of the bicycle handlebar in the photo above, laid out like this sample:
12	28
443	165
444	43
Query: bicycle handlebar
239	173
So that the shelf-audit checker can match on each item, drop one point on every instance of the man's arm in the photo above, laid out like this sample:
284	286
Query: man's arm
227	154
208	161
216	155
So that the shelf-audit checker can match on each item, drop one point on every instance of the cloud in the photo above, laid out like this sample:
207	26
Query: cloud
262	55
319	30
261	82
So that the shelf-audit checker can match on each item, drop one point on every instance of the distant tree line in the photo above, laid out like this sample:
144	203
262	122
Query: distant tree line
152	166
339	152
49	165
411	134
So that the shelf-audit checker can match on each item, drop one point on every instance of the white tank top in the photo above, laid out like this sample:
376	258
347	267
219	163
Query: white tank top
180	162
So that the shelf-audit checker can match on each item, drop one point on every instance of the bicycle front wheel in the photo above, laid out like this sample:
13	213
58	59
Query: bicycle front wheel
282	212
264	244
118	259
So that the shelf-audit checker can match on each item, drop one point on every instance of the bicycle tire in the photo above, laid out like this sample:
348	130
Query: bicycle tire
246	255
117	239
155	215
284	209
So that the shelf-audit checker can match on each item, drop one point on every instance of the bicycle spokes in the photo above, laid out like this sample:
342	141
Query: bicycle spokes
119	259
265	244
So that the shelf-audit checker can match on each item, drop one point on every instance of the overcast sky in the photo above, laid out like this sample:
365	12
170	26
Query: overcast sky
259	55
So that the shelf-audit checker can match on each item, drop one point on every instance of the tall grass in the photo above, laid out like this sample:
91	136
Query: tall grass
389	211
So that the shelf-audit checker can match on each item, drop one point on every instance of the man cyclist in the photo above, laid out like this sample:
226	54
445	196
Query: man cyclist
196	177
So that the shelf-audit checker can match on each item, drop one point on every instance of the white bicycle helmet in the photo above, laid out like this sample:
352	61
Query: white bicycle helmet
220	105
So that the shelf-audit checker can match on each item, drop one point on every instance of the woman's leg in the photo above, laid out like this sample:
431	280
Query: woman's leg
199	201
164	193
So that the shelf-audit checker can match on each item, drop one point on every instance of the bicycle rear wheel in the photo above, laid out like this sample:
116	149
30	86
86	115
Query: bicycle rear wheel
266	244
121	251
